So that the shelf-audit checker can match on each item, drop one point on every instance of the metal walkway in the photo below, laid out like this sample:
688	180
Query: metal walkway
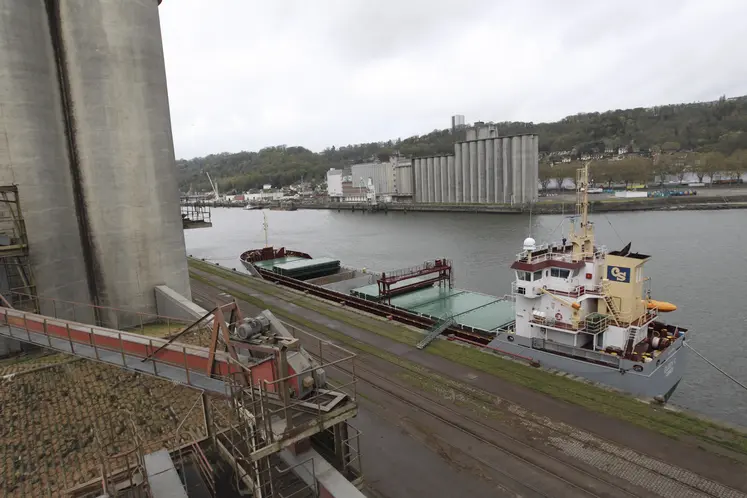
175	362
438	329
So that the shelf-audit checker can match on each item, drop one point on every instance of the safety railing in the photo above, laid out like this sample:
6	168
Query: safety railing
264	415
135	352
103	316
552	252
586	354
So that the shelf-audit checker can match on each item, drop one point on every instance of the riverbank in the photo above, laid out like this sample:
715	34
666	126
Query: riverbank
693	203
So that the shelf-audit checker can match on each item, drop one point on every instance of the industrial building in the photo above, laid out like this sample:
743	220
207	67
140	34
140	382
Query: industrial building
85	134
484	169
390	180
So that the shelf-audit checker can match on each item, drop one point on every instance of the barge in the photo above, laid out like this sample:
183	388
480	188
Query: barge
575	307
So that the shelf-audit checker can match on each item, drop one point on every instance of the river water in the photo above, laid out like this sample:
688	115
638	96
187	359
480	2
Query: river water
699	263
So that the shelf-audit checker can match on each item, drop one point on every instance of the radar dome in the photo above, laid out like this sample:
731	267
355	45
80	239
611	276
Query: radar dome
530	244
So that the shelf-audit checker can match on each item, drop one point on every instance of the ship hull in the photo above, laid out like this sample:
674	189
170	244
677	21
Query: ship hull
653	381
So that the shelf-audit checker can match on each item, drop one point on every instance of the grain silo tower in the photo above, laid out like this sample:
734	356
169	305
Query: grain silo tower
86	125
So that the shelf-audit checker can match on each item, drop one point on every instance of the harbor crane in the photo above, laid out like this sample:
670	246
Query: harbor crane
214	186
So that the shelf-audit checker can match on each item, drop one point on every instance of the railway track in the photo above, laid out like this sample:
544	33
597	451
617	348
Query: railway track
646	473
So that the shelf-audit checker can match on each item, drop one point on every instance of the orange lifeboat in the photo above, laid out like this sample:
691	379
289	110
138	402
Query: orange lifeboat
662	306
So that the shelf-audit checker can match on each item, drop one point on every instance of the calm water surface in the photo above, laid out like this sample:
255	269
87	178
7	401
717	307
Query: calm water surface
699	263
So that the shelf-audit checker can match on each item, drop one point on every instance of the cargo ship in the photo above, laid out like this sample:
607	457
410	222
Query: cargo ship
575	307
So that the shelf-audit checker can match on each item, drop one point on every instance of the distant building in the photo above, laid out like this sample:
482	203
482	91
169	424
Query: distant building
484	169
621	151
457	121
267	186
481	131
380	174
334	184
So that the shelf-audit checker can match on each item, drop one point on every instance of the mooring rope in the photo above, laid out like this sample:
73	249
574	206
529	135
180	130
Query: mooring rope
716	367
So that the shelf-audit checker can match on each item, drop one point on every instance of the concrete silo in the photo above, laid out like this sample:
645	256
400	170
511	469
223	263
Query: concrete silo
489	171
444	179
124	154
458	165
465	173
516	171
34	155
473	186
498	173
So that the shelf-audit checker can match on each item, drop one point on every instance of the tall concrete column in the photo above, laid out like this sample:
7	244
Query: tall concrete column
426	181
466	178
473	172
482	168
416	176
490	171
526	169
516	170
437	180
450	187
507	171
431	180
498	173
126	171
458	165
535	163
35	155
444	179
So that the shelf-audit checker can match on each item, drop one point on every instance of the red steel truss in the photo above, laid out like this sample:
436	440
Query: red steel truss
394	283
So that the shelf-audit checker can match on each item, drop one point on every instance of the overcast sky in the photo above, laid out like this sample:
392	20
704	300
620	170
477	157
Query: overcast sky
248	74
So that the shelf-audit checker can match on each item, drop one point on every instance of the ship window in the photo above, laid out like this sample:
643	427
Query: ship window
524	275
537	275
639	274
559	273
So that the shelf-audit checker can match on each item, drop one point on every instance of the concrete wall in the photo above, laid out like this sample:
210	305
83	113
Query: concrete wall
381	175
34	153
125	152
171	304
403	178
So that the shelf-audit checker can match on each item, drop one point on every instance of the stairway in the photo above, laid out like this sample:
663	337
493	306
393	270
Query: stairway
630	345
438	328
611	303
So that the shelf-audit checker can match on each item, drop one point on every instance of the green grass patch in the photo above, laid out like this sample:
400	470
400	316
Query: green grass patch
673	424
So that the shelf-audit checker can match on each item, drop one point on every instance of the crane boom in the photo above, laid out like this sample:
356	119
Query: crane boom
570	304
214	186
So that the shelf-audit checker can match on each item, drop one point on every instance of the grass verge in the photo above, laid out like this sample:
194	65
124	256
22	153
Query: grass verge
678	425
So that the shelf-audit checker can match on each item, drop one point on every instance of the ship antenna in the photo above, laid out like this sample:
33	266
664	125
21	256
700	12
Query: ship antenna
265	226
531	205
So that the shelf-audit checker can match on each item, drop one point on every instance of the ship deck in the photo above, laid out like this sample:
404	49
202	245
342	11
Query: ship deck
473	310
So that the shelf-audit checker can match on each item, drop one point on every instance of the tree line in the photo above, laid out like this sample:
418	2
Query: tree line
709	127
635	169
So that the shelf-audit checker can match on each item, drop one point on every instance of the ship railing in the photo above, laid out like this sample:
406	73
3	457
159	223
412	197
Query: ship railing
584	354
566	256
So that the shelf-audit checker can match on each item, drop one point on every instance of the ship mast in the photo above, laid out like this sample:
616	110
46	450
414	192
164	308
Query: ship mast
582	237
265	226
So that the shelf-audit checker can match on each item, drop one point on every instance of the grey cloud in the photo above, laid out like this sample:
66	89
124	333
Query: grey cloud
243	75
